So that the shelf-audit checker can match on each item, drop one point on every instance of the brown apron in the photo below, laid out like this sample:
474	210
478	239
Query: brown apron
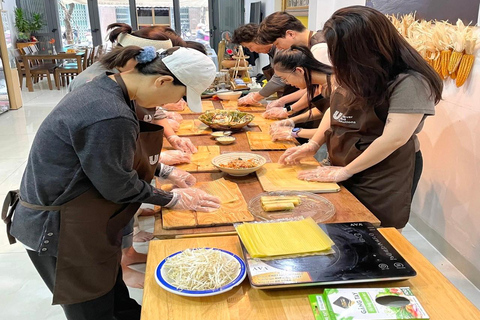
89	245
385	188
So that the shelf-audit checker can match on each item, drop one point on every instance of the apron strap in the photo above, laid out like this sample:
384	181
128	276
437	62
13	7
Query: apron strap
39	207
122	85
9	205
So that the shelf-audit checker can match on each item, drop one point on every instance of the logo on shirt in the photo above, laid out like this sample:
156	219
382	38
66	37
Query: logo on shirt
154	159
340	117
147	118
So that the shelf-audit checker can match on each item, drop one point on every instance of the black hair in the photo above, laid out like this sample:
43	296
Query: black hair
368	53
197	46
119	57
276	25
301	57
151	32
246	33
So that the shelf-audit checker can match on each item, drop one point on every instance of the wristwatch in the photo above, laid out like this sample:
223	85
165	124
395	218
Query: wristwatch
288	108
295	132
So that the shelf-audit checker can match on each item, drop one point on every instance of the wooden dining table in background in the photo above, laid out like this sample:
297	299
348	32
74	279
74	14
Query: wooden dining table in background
48	55
347	207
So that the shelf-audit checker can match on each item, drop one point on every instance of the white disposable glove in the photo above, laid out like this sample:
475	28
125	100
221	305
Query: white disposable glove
195	199
250	99
275	113
172	157
325	174
173	124
181	178
183	144
174	116
283	123
281	133
293	155
177	106
276	104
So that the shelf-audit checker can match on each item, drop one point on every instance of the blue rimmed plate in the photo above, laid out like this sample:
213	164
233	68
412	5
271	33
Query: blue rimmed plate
163	280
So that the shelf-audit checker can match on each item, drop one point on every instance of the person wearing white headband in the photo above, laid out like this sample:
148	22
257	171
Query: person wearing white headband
89	170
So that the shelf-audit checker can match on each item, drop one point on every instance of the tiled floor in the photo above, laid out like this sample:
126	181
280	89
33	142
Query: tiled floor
22	292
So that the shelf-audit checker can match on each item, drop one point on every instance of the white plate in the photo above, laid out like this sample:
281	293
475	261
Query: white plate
163	280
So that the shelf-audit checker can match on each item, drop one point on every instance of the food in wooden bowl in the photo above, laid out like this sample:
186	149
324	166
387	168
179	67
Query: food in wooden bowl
226	119
239	163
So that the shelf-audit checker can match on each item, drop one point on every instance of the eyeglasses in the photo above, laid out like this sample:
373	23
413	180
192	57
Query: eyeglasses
285	79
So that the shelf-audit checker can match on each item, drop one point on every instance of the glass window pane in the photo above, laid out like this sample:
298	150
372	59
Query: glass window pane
155	12
74	23
195	21
111	11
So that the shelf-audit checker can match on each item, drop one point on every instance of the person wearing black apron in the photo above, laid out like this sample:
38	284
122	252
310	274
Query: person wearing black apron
296	67
385	91
89	170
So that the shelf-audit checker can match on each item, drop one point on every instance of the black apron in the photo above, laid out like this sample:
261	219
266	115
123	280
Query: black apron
385	188
89	246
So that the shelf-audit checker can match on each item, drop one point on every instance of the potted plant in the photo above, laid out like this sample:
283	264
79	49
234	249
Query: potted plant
26	26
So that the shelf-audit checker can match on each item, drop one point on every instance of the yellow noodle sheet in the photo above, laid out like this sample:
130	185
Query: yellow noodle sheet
287	238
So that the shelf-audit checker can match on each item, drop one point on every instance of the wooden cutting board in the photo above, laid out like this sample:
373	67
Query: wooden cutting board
233	105
277	177
193	128
263	141
202	160
233	208
206	105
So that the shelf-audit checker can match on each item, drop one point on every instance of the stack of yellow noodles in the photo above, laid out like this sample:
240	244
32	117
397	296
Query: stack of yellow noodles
284	238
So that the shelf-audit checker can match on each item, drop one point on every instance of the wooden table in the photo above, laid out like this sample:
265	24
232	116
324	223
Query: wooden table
438	296
42	55
348	208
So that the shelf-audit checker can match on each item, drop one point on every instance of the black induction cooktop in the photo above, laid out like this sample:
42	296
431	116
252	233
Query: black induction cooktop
362	254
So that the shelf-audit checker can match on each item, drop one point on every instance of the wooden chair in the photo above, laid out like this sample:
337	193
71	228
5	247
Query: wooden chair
68	71
91	56
37	71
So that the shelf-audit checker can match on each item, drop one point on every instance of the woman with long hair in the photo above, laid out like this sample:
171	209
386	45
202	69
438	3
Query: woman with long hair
90	168
298	67
385	91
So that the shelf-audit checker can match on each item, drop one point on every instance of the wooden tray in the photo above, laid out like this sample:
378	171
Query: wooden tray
277	177
263	141
193	128
202	160
233	105
233	209
206	105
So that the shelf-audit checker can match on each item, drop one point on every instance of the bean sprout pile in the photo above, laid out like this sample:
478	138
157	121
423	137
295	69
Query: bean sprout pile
201	269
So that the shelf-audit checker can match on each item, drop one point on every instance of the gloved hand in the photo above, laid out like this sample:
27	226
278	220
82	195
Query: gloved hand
276	104
171	157
174	116
173	124
181	178
295	154
250	99
177	106
183	144
283	123
281	133
195	199
275	113
325	174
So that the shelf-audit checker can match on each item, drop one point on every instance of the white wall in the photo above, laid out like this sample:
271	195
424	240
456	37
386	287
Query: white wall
448	195
319	11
